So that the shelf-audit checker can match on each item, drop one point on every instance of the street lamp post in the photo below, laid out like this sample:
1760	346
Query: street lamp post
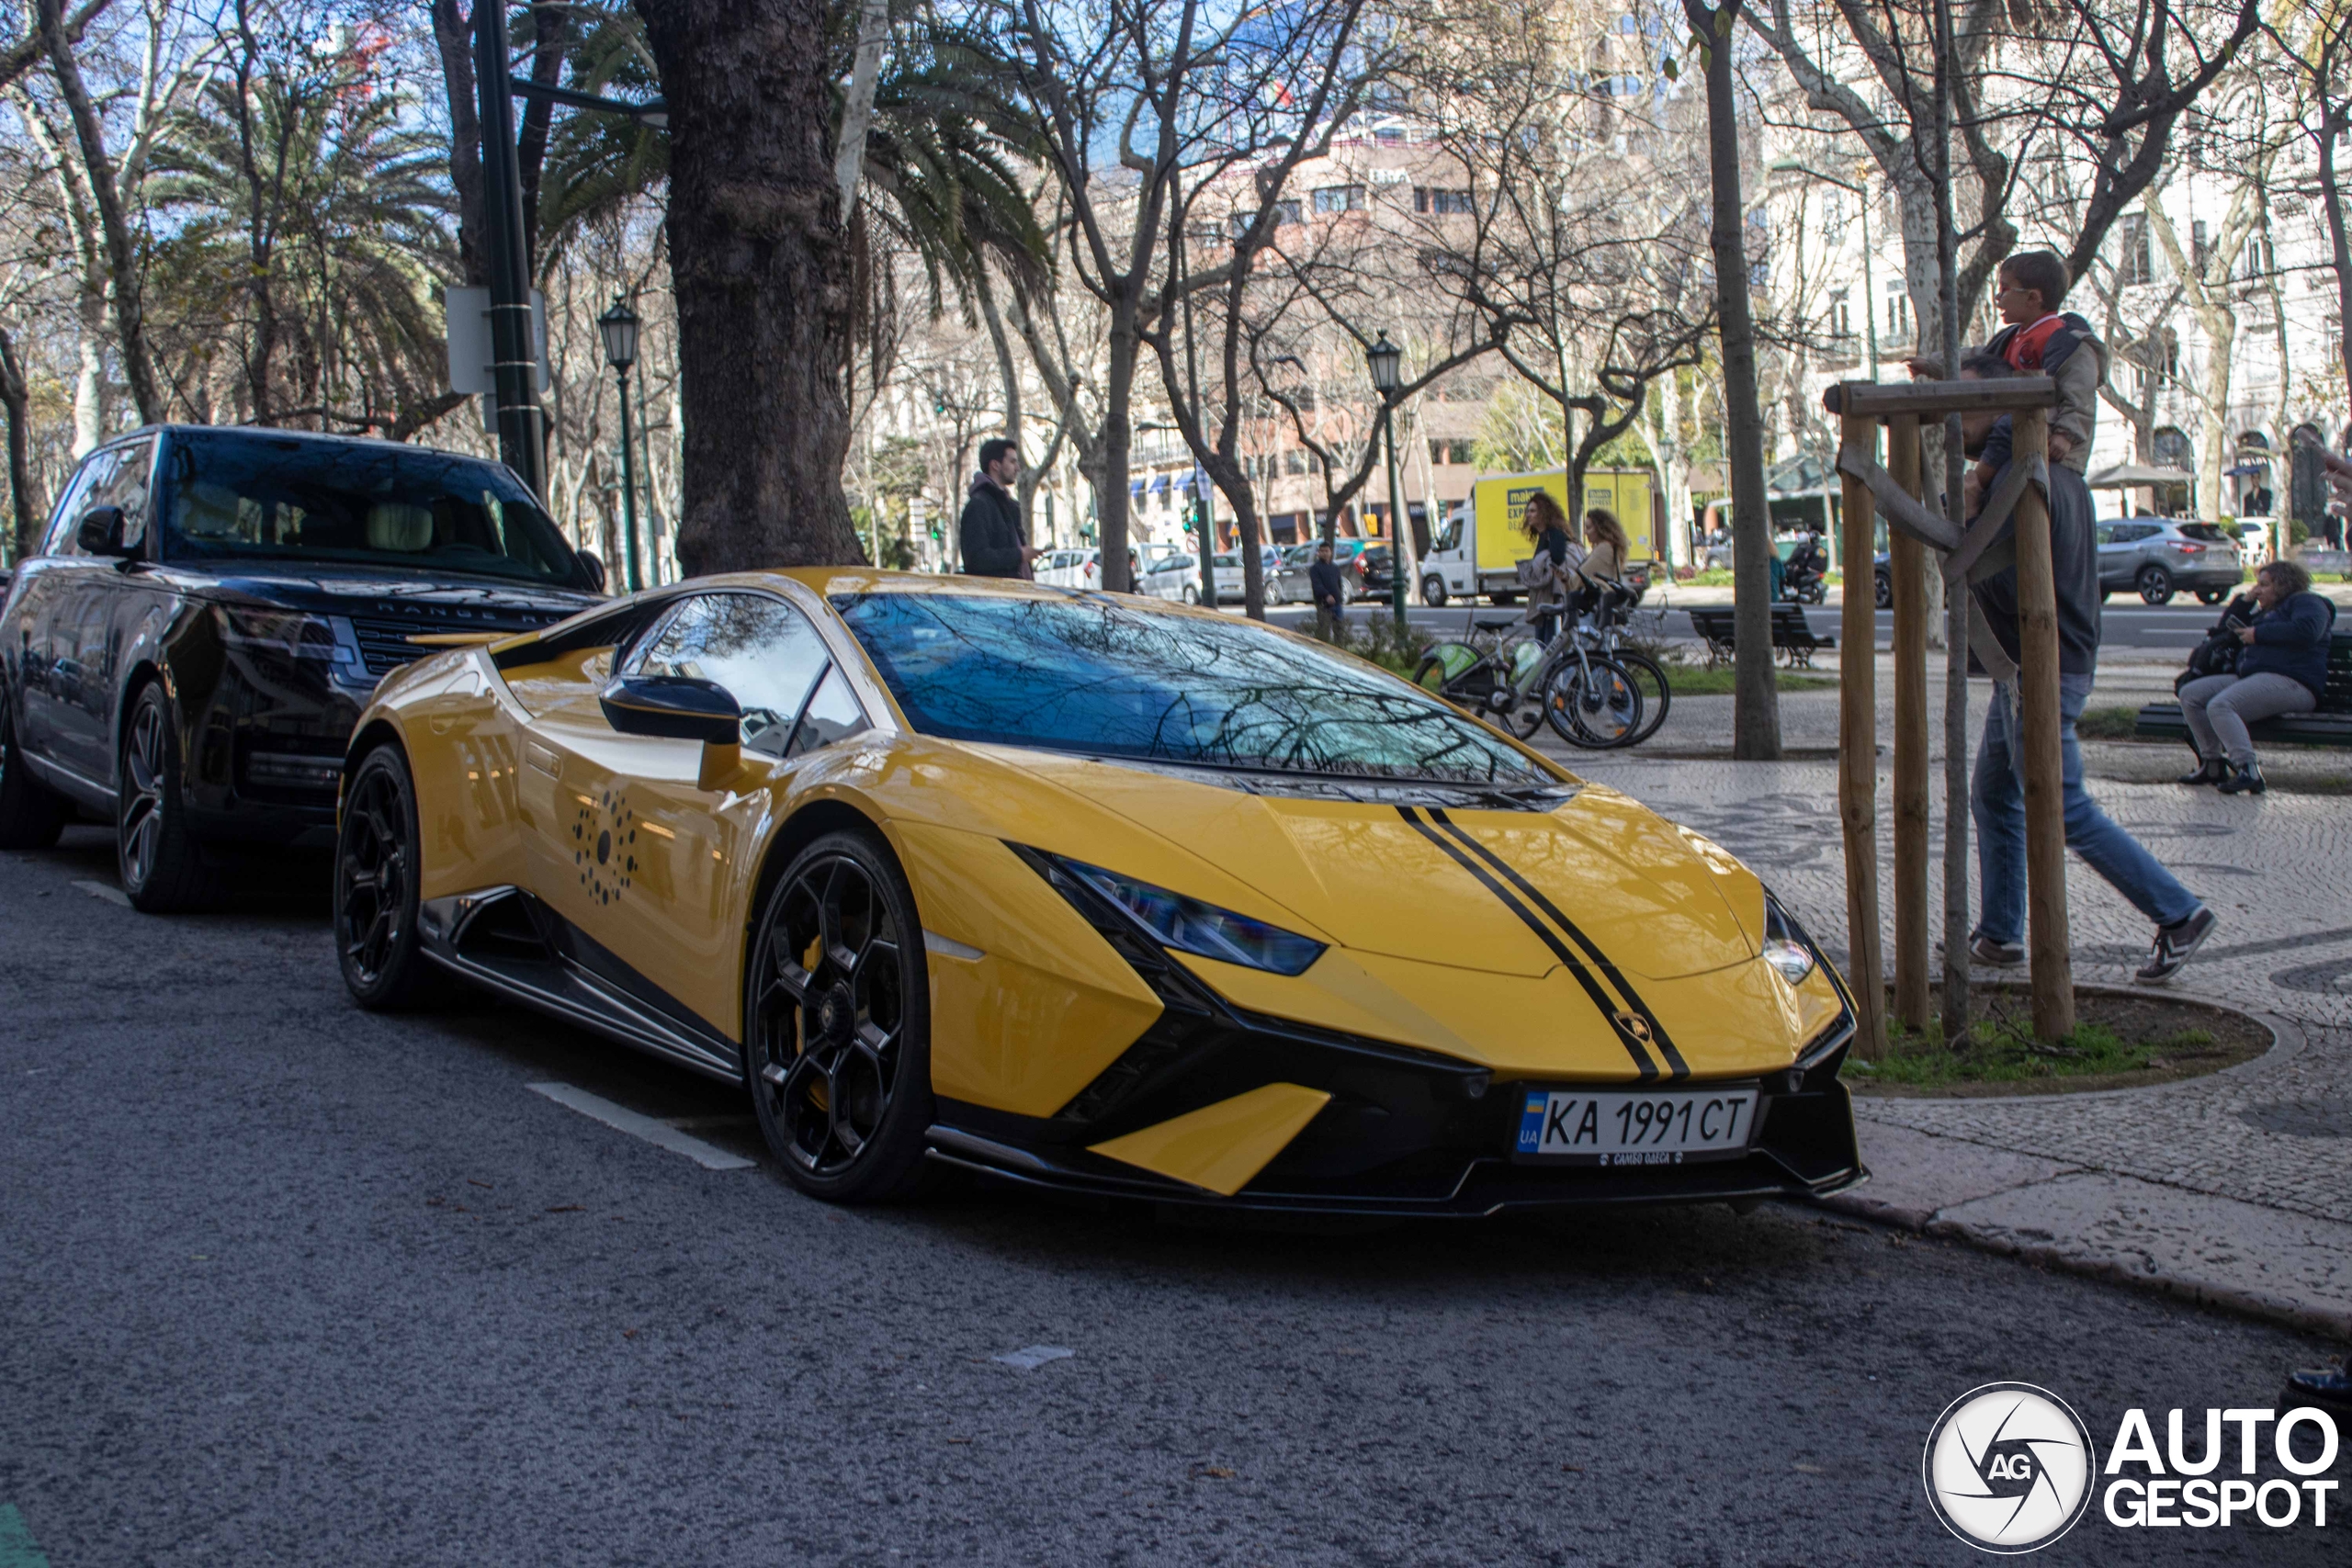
619	327
1385	360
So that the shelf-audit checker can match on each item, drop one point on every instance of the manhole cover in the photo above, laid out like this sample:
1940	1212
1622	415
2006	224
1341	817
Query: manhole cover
2302	1118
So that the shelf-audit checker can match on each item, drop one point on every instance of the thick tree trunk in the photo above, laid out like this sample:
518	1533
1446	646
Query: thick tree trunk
1118	434
1756	700
760	266
122	250
13	396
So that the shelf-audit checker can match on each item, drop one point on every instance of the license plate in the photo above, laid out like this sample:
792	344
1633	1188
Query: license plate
1667	1126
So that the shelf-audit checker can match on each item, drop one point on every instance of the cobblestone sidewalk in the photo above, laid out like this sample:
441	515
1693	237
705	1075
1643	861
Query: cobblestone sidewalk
2234	1188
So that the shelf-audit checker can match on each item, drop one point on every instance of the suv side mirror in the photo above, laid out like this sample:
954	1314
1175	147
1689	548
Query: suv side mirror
593	565
100	534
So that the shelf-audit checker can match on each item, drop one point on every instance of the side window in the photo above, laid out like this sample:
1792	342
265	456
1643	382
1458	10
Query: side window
764	651
71	505
833	715
126	486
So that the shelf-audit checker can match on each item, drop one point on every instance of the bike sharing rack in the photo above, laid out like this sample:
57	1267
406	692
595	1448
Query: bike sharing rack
1986	547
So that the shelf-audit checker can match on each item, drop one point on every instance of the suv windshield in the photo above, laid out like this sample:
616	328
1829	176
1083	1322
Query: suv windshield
1104	680
246	495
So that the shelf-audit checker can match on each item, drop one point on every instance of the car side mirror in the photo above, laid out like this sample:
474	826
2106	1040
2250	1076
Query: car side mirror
679	707
100	534
593	565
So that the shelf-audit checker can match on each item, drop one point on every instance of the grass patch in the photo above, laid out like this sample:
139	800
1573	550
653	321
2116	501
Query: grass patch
2118	1042
2108	724
1699	681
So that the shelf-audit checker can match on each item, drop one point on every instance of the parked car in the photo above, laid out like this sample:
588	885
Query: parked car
1070	569
2158	556
1174	577
1230	588
1346	554
210	610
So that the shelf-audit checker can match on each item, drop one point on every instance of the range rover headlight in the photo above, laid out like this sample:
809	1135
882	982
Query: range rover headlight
1188	925
1786	946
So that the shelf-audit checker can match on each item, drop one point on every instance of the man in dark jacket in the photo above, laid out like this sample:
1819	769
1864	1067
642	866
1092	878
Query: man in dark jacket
2281	669
1329	590
989	532
1996	793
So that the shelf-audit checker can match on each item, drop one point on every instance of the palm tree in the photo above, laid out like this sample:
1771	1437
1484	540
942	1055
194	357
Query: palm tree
313	232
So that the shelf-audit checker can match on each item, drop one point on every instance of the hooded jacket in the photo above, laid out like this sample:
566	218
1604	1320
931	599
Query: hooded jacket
2070	354
989	532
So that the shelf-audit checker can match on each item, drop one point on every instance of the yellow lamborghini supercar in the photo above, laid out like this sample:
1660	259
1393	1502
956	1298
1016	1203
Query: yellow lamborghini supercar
1087	891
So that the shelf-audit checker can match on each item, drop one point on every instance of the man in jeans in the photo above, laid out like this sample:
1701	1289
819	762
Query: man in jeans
1330	593
1997	795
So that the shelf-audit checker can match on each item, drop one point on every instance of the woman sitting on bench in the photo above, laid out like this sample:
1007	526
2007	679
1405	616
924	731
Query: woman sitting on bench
2282	669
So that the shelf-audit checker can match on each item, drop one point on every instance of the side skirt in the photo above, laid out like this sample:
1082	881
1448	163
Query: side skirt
499	939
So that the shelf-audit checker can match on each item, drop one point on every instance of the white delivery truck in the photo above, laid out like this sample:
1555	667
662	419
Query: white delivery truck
1477	550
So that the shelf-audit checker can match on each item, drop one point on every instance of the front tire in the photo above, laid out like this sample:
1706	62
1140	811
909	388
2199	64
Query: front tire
376	866
1433	593
30	816
2155	585
1192	595
837	1023
157	860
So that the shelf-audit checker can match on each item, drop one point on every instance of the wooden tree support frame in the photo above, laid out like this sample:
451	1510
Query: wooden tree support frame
2013	525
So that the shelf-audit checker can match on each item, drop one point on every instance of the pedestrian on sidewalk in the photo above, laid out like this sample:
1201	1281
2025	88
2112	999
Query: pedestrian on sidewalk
1996	794
1546	523
1331	591
990	533
2283	667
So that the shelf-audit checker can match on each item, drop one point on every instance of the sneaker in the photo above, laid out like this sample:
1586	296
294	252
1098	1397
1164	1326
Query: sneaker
2244	781
1983	950
2329	1387
2213	771
2174	946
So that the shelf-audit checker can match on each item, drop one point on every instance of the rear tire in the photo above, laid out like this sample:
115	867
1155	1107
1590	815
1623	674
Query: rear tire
1593	703
1657	696
30	816
157	859
837	1023
2211	596
378	865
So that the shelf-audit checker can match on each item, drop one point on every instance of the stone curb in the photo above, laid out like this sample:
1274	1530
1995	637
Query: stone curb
2334	1323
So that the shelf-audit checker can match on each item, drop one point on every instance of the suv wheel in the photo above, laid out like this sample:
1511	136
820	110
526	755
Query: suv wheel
2155	585
31	817
157	859
2211	596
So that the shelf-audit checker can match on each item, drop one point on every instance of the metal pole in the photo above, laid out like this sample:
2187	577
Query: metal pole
1396	512
628	490
514	354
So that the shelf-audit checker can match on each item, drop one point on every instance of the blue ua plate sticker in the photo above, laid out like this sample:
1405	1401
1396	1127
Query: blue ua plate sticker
1640	1127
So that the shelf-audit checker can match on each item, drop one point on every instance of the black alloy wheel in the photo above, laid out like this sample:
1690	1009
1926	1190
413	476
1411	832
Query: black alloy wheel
837	1047
157	860
2155	585
30	816
376	869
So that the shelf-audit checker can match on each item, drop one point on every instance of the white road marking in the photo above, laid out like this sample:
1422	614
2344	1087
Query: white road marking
1029	1357
711	1157
100	890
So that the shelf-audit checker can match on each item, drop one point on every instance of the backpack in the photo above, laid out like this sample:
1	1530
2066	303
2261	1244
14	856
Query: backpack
2218	654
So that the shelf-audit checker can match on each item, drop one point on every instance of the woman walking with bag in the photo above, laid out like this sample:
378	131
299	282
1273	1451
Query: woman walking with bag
1546	573
2281	669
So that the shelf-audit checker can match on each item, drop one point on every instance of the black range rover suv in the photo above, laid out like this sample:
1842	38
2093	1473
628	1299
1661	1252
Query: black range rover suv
208	612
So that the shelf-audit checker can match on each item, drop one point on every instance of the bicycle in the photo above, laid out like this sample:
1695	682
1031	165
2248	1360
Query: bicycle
1604	632
1516	684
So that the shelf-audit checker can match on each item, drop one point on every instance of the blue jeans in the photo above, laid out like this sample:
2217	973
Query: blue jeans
1997	800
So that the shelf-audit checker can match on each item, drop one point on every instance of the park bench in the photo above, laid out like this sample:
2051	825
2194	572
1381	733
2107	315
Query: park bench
2330	723
1794	640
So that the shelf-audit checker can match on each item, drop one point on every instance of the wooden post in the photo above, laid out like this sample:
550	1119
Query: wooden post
1906	566
1858	753
2043	757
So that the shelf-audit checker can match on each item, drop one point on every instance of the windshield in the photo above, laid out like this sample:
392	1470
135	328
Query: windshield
1107	679
242	495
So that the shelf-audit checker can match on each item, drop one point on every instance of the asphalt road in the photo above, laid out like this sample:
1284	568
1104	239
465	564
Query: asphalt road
283	1282
2128	629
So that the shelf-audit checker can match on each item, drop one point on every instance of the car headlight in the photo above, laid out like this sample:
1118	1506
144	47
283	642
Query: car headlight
289	634
1189	925
1786	947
